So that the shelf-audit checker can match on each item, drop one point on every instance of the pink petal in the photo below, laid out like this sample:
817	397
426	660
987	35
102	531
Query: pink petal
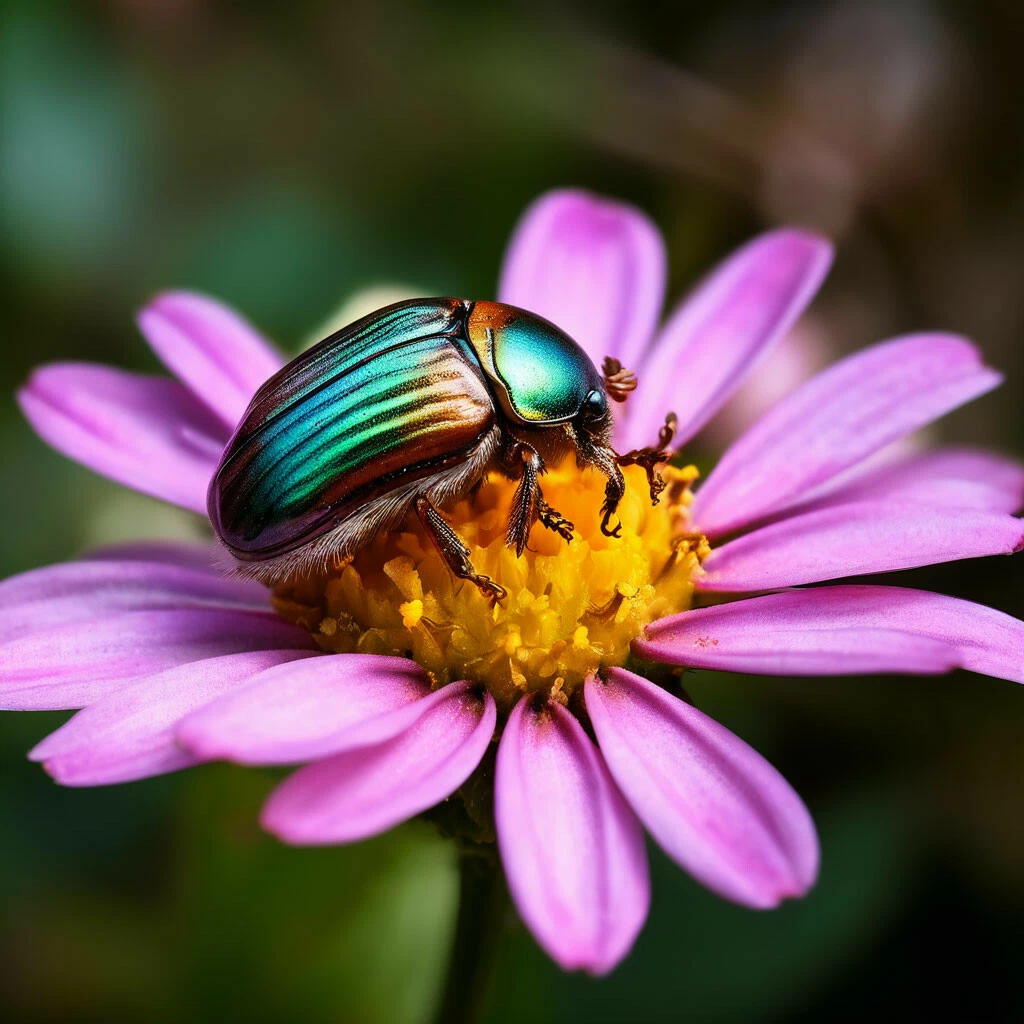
716	807
203	557
81	662
836	419
308	710
145	432
718	335
210	349
130	734
795	358
57	595
573	851
361	792
839	631
959	477
854	540
593	267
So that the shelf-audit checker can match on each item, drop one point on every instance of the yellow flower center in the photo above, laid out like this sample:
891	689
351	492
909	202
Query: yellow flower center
572	607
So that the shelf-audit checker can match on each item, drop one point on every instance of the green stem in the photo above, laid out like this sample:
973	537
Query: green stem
482	904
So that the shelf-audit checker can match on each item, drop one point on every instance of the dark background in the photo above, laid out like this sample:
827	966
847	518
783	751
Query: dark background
286	156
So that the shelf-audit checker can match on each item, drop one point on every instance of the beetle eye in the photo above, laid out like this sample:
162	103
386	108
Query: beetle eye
596	404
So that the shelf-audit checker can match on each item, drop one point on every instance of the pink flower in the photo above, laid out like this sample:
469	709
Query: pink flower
173	665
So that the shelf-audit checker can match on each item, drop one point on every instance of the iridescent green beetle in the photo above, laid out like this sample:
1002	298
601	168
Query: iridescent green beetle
409	409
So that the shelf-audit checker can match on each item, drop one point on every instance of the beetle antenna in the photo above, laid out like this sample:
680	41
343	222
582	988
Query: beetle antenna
618	381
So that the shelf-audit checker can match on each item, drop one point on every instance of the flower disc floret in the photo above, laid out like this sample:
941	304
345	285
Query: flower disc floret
572	607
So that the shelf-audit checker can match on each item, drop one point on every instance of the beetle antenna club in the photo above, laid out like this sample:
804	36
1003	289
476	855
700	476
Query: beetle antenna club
618	381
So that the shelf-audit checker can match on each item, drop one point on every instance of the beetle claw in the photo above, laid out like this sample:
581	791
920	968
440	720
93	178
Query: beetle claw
553	520
494	592
606	519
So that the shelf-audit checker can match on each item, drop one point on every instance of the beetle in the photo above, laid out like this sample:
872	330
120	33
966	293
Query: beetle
410	408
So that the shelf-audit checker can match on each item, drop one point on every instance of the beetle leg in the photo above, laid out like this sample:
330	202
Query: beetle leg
529	505
604	459
652	458
552	520
613	492
453	551
618	381
523	512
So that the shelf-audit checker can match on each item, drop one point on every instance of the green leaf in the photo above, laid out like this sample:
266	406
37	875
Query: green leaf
270	932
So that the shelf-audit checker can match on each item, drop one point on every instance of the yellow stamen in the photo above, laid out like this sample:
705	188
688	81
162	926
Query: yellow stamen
571	607
411	612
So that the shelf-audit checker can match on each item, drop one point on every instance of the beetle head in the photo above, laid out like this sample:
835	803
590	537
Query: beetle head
539	375
542	378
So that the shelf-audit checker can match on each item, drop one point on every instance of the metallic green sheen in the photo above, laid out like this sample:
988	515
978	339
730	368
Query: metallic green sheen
348	421
546	374
368	397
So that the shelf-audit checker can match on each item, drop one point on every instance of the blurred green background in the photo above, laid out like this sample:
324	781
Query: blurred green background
285	156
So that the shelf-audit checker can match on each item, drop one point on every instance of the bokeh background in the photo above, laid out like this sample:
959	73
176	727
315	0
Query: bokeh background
286	157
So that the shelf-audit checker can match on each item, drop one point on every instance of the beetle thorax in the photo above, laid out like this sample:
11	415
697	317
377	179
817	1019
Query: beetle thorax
571	607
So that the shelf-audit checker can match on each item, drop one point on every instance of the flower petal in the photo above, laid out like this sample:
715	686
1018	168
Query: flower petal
147	433
130	734
842	630
81	662
58	595
593	267
717	335
361	792
836	419
714	805
856	539
304	711
959	477
795	358
573	851
210	349
203	557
